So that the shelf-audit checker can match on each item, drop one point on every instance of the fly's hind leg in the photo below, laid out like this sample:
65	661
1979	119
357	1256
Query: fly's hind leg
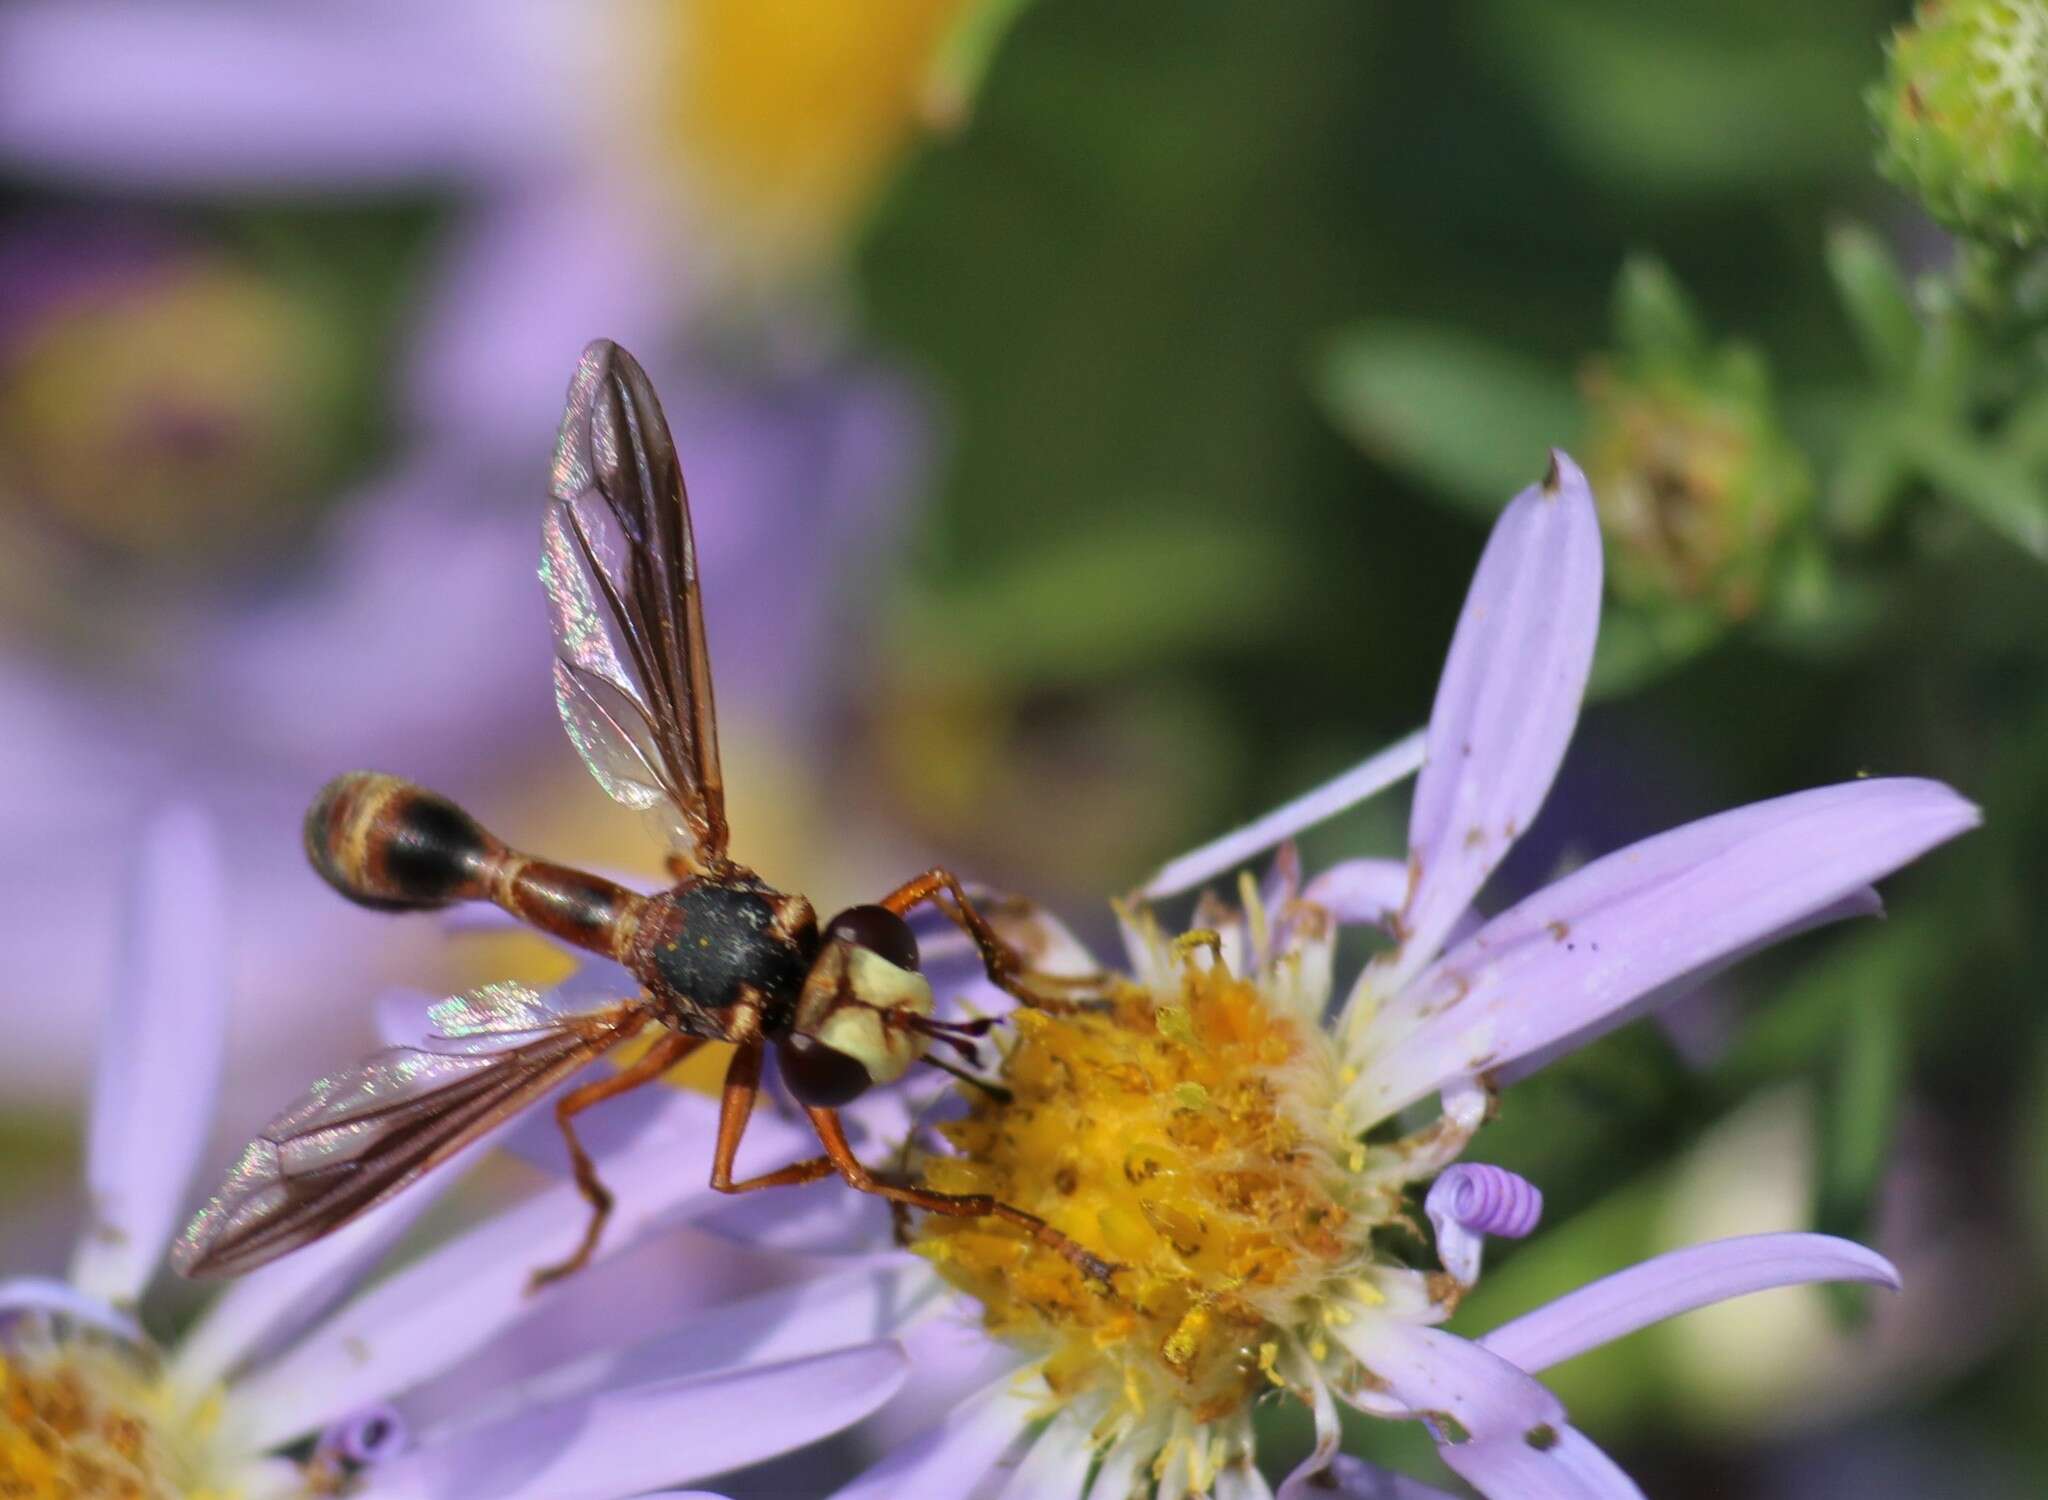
1008	970
669	1049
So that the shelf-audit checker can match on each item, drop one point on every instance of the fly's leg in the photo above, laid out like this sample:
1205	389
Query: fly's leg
1008	970
668	1050
735	1108
839	1157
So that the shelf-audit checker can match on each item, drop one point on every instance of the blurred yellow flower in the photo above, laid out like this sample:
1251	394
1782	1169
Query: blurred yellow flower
790	114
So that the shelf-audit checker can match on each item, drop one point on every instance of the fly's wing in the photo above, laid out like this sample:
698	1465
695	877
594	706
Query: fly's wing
632	672
360	1135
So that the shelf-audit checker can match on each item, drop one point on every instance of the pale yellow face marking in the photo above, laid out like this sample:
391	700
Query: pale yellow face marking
857	1002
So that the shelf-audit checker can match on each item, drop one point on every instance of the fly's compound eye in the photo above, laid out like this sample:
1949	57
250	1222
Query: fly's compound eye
879	930
821	1077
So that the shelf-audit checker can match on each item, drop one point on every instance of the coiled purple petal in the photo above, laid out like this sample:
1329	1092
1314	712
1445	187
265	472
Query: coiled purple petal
363	1439
1473	1200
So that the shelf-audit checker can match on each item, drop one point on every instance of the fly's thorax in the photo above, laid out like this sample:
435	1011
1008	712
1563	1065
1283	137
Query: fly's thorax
858	1003
706	946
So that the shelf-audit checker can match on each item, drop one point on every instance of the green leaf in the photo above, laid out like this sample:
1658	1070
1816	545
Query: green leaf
1875	296
1858	1105
1638	646
1119	596
1654	319
1463	416
1999	490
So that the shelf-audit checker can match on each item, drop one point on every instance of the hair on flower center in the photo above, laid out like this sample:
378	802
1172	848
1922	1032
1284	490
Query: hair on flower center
1193	1138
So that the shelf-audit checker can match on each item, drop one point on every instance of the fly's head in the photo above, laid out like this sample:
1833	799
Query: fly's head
865	1014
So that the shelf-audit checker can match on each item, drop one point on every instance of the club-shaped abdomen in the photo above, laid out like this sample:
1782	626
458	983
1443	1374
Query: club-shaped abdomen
386	843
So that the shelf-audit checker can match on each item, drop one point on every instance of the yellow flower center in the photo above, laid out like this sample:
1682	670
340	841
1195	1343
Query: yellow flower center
791	112
85	1419
1192	1138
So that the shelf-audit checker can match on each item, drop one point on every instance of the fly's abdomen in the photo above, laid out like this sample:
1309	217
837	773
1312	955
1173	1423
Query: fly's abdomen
384	842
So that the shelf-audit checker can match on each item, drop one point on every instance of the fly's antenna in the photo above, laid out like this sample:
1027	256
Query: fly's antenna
995	1091
959	1035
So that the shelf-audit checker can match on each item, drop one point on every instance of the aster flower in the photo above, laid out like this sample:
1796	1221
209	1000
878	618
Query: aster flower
1246	1152
293	1383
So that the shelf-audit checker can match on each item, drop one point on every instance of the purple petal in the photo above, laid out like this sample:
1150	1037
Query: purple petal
1471	1201
260	1311
1559	1463
1360	891
456	1299
957	1454
1428	1372
524	281
1678	1282
1373	775
1564	959
1864	902
160	1057
60	1299
1057	1466
1507	701
626	1442
1349	1478
1241	1480
818	1314
210	97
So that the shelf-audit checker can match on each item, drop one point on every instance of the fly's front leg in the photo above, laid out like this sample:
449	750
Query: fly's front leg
735	1108
1007	969
669	1049
839	1155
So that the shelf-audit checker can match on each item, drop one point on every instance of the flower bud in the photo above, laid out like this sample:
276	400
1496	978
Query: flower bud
1695	478
1963	115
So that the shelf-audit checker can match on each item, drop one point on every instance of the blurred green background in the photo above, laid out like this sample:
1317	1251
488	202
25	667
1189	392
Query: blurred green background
1104	410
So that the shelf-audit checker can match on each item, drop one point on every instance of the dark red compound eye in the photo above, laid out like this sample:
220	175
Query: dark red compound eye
820	1076
877	929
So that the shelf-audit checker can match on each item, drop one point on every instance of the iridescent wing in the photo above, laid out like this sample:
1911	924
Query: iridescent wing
632	672
362	1134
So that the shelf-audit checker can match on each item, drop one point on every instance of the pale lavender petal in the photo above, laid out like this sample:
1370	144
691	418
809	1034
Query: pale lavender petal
1859	903
1349	1478
1118	1476
1506	703
1371	776
525	280
456	1299
1568	956
1360	891
1471	1201
860	1305
1057	1466
957	1453
1678	1282
41	1294
1560	1463
258	1312
189	97
626	1442
160	1057
1242	1481
1432	1373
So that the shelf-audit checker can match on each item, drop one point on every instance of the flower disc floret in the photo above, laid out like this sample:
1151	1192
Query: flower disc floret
85	1414
1194	1137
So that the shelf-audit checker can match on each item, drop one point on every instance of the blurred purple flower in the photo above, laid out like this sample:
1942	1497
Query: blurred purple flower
297	1351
